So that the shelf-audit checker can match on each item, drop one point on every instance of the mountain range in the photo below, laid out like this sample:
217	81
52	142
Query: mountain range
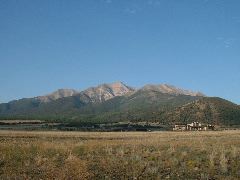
118	102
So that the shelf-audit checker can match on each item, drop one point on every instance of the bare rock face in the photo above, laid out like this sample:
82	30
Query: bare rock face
61	93
169	89
100	93
105	92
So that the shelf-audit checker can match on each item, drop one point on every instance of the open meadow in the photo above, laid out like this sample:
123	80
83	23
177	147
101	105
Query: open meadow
119	155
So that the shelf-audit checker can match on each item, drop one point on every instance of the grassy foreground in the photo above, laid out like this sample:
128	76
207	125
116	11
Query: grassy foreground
131	155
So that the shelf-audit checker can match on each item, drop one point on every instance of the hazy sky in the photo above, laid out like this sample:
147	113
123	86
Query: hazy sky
50	44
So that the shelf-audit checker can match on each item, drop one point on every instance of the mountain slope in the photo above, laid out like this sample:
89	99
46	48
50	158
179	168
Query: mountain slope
60	93
207	110
118	102
87	106
169	89
63	100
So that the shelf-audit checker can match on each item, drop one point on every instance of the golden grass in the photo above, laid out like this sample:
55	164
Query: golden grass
119	155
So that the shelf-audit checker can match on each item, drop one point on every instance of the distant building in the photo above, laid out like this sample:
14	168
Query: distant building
180	127
194	126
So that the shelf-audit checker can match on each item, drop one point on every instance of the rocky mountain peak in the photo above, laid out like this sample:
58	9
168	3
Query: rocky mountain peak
105	92
119	88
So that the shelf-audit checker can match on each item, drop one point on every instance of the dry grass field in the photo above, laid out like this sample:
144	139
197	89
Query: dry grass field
131	155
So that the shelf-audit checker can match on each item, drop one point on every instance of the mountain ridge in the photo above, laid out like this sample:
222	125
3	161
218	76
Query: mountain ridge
117	88
114	91
117	102
170	89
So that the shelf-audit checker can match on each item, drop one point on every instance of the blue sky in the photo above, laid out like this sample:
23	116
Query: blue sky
46	45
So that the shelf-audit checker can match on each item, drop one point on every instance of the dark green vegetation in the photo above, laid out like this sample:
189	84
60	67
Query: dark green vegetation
206	110
144	105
